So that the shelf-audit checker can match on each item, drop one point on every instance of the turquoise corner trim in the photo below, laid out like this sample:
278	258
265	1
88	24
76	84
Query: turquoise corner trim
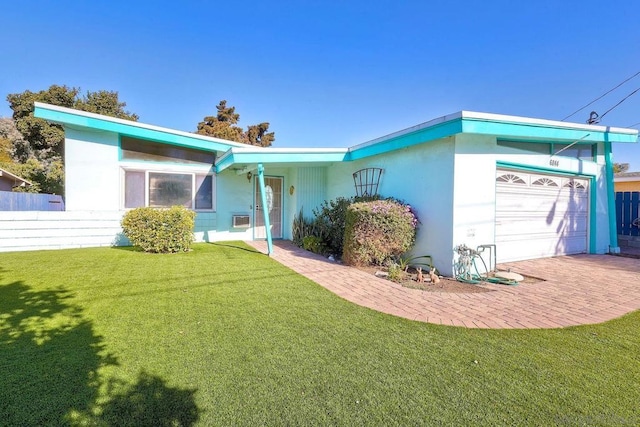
611	201
263	198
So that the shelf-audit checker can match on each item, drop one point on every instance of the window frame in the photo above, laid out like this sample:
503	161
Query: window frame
195	174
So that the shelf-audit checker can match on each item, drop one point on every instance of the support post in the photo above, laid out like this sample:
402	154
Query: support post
265	208
611	195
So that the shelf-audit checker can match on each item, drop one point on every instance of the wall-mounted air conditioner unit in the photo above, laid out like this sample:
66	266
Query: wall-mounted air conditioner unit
241	221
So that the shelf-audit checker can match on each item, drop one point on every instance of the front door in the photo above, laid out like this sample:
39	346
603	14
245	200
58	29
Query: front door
273	191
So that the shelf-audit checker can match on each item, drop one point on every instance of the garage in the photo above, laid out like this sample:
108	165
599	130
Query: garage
540	215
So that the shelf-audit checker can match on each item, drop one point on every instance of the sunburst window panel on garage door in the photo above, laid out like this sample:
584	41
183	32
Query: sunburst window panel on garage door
539	215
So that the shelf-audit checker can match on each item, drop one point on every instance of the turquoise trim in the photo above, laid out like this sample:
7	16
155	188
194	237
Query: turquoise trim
611	201
530	130
542	169
133	129
420	136
263	198
267	157
592	193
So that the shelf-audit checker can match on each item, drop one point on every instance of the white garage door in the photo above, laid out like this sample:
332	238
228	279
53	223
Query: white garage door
540	215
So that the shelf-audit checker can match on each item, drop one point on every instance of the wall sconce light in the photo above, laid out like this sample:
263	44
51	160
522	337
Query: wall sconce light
249	175
291	190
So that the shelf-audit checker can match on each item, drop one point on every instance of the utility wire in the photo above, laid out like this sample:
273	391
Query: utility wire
621	101
601	96
634	125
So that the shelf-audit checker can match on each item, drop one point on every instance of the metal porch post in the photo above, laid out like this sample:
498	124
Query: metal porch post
265	208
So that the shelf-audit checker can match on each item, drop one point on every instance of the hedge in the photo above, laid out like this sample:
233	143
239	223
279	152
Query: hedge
378	231
160	230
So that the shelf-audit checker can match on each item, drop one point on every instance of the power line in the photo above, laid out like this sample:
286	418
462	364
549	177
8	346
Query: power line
601	96
634	125
621	101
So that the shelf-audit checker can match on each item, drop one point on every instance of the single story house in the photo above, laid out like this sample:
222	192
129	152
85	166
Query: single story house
627	181
534	188
8	181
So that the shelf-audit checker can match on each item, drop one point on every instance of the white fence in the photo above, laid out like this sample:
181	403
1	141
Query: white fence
34	230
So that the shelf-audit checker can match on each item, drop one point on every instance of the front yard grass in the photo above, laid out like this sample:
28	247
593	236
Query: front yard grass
224	335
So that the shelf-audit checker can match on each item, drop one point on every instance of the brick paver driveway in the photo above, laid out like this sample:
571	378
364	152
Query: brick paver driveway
577	290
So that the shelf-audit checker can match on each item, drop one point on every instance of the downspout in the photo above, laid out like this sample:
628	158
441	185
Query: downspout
611	201
265	208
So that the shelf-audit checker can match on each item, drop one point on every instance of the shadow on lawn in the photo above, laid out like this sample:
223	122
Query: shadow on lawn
50	357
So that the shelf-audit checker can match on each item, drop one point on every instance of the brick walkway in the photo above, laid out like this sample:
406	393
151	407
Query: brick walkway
577	290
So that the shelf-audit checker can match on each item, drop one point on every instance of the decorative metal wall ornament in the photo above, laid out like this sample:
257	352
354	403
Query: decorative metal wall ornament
367	181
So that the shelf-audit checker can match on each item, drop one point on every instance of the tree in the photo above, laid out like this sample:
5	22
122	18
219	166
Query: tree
223	125
8	135
620	167
39	150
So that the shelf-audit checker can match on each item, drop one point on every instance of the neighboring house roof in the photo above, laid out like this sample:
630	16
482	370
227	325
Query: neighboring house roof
626	176
18	182
243	157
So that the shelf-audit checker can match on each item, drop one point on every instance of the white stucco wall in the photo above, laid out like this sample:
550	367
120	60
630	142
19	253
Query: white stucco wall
92	177
421	176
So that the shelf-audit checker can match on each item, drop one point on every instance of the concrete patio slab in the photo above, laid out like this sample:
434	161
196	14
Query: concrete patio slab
575	290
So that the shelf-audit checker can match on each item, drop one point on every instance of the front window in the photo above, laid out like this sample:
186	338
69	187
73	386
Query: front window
169	189
164	189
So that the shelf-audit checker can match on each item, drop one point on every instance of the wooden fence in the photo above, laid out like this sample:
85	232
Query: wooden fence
627	217
14	202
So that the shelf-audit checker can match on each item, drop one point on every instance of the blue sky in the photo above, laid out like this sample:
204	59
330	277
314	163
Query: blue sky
326	73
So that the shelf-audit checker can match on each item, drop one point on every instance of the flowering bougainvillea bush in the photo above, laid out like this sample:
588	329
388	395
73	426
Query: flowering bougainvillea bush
378	231
329	222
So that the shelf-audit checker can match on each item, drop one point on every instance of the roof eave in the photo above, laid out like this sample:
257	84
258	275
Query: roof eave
82	119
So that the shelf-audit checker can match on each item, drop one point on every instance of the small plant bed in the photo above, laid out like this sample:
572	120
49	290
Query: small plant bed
408	280
446	284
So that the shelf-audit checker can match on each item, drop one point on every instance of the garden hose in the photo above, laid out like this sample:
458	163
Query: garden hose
466	261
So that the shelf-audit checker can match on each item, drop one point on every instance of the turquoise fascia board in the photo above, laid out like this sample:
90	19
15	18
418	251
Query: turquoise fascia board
81	121
407	140
534	131
231	158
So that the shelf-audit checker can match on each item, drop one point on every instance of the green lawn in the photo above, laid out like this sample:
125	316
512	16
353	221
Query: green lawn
226	336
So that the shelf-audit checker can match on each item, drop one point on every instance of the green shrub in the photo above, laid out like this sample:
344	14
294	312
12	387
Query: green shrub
378	231
330	221
160	230
314	244
301	228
